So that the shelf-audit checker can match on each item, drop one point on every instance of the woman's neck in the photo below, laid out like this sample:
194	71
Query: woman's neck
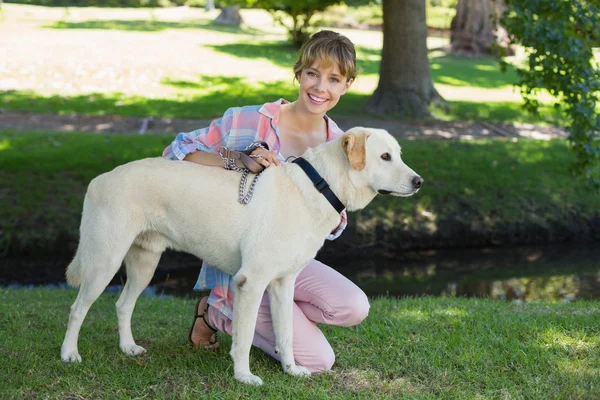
303	121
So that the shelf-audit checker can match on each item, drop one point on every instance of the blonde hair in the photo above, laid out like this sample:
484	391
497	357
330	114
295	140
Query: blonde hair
330	48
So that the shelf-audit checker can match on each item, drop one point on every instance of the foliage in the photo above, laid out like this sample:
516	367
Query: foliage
559	37
294	15
105	3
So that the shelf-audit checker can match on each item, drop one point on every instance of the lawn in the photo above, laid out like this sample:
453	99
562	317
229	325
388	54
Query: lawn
177	63
413	348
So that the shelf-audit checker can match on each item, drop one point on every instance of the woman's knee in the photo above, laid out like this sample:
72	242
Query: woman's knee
354	310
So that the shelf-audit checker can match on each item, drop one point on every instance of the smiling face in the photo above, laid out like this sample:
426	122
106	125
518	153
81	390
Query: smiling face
321	86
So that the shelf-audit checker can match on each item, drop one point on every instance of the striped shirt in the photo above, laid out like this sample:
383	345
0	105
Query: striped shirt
236	129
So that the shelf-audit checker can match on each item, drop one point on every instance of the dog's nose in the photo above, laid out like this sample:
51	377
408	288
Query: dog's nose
417	181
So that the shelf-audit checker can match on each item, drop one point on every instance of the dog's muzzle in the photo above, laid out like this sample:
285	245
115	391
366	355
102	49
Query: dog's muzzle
417	181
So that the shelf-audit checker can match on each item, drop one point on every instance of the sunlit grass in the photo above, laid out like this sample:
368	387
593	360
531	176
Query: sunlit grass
412	348
153	25
248	65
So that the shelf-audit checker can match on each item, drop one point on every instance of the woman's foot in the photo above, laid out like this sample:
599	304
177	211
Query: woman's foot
201	333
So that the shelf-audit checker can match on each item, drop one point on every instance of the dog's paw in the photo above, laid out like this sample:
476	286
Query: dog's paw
133	349
72	356
297	370
249	379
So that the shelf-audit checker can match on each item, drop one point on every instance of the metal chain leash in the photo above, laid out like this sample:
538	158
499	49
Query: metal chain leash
245	199
229	164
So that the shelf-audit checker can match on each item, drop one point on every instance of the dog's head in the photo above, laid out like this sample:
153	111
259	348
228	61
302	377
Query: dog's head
376	155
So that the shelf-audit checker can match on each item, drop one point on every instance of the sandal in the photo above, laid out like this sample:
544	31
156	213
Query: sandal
206	335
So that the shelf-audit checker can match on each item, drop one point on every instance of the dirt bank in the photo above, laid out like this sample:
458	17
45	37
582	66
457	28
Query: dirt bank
402	129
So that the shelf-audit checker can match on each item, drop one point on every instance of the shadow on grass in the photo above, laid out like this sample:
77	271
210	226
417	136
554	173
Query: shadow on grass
224	93
151	25
220	93
284	54
483	72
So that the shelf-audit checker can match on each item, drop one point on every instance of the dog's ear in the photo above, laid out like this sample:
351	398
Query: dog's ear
355	146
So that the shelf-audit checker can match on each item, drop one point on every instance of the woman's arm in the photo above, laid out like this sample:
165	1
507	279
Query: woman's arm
204	158
202	146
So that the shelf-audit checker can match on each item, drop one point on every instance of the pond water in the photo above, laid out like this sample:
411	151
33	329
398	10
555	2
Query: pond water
545	274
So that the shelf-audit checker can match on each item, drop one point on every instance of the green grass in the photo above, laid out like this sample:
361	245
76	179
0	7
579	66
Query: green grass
45	176
483	186
208	96
153	25
262	58
372	15
413	348
213	101
482	72
486	186
440	17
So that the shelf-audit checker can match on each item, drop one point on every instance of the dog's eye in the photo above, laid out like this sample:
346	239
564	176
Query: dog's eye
386	157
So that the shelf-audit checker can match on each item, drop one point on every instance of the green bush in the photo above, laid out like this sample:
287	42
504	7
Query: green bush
559	37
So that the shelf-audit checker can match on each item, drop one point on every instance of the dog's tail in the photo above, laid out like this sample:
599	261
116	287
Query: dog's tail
74	272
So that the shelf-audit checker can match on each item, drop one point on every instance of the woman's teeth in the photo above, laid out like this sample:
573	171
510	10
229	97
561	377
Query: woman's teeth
317	99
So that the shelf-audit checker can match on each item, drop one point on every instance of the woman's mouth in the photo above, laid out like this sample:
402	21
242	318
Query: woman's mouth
316	99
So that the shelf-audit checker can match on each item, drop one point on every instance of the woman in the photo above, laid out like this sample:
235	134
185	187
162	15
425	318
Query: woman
325	70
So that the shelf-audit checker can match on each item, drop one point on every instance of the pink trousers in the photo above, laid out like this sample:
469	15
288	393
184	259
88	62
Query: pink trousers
321	295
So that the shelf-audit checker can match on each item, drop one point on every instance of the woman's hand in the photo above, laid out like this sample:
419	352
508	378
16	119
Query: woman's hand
265	157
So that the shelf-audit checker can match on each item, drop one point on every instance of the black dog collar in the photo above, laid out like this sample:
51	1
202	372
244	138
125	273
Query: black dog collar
320	184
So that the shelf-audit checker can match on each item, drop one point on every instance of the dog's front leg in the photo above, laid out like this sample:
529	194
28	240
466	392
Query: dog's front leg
281	294
249	292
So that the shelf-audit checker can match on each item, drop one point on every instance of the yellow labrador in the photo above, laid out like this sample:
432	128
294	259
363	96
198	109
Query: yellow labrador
138	210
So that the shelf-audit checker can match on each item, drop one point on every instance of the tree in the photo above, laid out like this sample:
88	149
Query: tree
294	15
559	37
476	28
405	84
230	16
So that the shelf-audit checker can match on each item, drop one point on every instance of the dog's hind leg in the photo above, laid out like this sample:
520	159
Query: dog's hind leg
249	292
140	264
100	260
92	286
281	296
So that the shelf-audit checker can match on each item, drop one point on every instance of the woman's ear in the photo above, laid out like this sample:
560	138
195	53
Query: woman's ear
347	85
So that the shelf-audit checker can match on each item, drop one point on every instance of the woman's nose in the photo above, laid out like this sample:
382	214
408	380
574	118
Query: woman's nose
319	84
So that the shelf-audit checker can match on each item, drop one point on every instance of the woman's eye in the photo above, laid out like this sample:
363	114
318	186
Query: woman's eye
334	80
310	73
386	157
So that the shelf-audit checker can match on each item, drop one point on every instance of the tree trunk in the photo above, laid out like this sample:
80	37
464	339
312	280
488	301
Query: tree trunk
210	5
230	16
405	85
475	29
